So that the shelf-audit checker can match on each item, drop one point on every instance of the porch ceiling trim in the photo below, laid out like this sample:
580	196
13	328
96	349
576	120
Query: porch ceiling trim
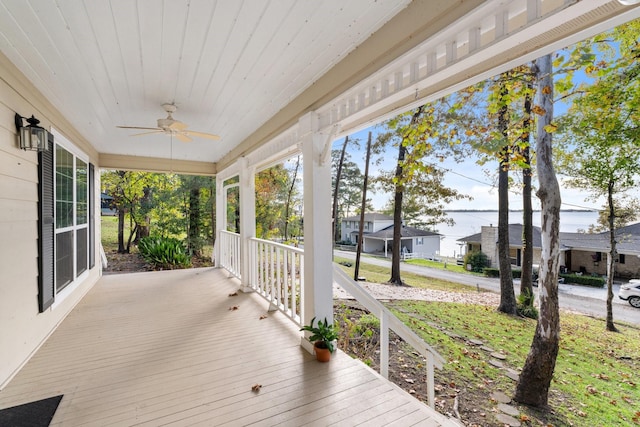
470	51
156	164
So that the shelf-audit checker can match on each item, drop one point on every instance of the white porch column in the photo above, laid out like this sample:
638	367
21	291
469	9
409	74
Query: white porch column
221	218
318	270
247	218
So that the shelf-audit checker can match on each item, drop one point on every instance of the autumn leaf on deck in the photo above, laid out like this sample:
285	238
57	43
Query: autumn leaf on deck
256	388
264	316
235	294
234	307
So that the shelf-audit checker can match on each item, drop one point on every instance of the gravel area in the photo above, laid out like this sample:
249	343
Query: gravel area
389	292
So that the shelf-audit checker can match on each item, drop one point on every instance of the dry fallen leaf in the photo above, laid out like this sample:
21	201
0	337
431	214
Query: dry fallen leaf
234	307
256	388
235	294
264	316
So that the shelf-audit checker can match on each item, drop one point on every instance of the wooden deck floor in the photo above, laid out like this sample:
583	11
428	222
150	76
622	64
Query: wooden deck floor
163	348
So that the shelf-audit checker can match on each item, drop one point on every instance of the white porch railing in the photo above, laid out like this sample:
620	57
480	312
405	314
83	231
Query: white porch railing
230	252
276	272
389	321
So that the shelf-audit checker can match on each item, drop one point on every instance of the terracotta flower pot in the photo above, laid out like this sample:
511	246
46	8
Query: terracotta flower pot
322	354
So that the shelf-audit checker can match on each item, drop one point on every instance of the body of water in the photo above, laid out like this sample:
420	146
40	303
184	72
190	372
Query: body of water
469	222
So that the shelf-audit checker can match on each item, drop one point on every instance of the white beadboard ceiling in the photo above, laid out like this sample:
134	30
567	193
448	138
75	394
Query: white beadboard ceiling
247	69
228	65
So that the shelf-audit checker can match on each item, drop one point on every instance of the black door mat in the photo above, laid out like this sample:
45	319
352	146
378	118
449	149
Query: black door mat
33	414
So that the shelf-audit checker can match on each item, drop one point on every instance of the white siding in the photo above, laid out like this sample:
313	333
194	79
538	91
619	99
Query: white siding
22	328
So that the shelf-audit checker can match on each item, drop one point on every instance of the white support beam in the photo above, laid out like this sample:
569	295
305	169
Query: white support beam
318	276
247	218
221	218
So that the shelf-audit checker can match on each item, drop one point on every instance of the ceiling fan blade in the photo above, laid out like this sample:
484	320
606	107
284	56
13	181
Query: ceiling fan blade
137	127
148	133
177	125
182	137
201	134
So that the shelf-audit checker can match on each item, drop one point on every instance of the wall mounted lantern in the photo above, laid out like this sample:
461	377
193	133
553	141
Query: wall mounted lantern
32	136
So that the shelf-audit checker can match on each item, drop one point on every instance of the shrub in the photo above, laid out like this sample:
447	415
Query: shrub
595	281
477	259
164	252
491	272
525	305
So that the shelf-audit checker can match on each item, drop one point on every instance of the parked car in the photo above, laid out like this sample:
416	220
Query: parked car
631	292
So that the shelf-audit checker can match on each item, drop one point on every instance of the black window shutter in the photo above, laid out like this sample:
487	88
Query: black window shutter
46	227
92	214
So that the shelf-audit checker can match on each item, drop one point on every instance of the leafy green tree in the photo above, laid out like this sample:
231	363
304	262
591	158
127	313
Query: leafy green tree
601	136
497	128
197	192
349	194
271	189
128	191
422	136
336	187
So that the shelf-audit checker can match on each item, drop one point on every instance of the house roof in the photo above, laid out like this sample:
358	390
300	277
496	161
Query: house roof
374	216
628	240
406	232
515	236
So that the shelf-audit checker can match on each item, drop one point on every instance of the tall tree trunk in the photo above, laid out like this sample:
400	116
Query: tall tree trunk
535	378
396	279
526	278
611	259
121	214
195	221
363	208
336	226
507	295
121	219
397	204
145	204
287	208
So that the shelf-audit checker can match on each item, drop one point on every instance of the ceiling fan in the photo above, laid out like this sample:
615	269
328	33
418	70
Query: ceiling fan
171	126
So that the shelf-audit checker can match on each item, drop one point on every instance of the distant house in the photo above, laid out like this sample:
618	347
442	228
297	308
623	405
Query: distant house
487	242
579	252
373	222
378	236
588	253
107	207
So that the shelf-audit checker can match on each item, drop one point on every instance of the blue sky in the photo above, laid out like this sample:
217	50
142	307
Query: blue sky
467	177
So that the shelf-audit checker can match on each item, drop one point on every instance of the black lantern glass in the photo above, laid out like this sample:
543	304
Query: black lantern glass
32	136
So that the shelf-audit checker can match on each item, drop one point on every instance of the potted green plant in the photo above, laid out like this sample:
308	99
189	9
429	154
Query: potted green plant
322	337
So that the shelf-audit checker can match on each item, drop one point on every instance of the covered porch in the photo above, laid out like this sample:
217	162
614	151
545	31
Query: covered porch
169	348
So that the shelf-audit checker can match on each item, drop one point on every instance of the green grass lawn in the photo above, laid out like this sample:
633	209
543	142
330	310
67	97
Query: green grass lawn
109	229
378	274
596	374
440	265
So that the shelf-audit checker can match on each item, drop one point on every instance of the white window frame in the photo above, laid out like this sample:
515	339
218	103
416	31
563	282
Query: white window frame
63	142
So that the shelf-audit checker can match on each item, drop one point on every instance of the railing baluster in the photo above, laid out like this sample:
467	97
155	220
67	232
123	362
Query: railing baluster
286	281
278	278
384	344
